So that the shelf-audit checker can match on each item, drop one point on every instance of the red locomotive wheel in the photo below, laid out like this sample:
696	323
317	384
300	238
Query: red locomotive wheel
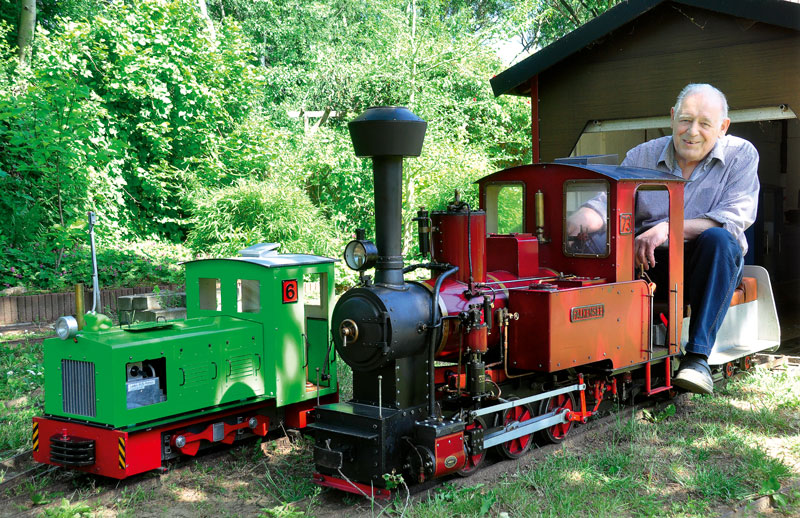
728	369
474	460
557	433
516	448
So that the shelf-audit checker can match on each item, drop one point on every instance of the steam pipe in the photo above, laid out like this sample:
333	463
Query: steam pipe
432	340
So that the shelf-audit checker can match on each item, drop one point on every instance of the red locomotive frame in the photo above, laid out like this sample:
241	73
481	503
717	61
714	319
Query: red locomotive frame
120	454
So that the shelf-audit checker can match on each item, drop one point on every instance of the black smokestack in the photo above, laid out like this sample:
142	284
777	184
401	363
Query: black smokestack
387	134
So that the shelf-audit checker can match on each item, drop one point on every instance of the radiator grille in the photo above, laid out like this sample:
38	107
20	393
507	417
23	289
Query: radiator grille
77	383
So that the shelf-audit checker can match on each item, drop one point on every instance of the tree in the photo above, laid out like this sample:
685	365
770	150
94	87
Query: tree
549	20
27	25
201	4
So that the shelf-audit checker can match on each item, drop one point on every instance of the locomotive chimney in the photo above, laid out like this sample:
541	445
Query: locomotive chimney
387	134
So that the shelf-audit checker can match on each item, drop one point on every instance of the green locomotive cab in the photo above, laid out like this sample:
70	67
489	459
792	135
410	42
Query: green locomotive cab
289	297
253	353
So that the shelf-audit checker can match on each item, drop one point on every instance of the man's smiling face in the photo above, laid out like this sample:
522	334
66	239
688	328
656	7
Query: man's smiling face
696	126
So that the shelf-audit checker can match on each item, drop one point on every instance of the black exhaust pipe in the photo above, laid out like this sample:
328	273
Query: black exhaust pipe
387	134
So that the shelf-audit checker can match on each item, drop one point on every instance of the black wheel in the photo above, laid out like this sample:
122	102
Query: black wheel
474	458
516	448
556	433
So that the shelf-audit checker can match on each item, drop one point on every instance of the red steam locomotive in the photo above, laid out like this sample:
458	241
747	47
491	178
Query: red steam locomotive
521	332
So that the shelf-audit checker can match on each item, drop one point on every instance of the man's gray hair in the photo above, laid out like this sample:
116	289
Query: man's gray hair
693	88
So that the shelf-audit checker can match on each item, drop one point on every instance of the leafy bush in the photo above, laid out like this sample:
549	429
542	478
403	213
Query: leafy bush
135	111
252	212
121	265
110	115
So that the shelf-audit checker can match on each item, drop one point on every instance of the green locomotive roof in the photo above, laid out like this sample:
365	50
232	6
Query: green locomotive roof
276	261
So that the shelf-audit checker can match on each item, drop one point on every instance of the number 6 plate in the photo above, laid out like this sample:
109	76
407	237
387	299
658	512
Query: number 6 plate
290	291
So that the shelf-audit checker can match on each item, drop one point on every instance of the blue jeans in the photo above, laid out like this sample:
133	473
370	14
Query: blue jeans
712	269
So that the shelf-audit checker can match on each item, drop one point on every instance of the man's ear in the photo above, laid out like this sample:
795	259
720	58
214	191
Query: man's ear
725	123
672	114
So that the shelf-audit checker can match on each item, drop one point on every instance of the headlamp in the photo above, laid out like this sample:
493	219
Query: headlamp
360	254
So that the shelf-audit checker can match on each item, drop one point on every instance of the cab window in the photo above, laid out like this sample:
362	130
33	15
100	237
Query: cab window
505	208
586	218
210	297
248	296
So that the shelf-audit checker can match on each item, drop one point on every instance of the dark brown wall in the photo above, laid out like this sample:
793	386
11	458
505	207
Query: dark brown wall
638	70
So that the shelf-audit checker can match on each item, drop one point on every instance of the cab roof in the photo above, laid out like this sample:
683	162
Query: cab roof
613	172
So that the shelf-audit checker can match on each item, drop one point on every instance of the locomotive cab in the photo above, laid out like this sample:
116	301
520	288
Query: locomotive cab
593	288
541	198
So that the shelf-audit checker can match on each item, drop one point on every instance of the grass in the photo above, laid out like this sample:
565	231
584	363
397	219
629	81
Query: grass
345	376
21	396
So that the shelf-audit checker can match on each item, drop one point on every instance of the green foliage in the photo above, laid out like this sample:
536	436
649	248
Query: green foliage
21	381
110	116
38	498
771	487
68	510
393	480
664	414
552	19
252	211
126	264
136	111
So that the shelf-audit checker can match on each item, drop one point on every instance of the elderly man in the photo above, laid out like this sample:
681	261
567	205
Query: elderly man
720	202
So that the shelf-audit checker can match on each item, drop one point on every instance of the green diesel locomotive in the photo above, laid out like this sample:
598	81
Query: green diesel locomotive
253	353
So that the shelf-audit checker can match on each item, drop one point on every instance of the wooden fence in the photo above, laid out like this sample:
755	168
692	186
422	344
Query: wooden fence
46	308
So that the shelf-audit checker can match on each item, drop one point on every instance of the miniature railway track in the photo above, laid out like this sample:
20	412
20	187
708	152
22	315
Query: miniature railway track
337	503
21	469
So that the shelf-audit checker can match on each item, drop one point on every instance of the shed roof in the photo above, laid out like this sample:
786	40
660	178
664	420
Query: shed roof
514	80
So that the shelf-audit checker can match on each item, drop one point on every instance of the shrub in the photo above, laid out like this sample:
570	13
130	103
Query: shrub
252	211
119	265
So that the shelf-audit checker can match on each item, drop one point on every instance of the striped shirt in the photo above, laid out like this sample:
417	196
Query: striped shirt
723	187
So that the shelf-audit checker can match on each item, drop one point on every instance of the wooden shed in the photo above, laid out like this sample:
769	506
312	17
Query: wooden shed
608	86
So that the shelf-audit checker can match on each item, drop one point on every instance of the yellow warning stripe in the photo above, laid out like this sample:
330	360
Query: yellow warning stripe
35	436
122	464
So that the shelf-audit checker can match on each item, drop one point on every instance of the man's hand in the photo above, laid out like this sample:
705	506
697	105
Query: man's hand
584	220
645	244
